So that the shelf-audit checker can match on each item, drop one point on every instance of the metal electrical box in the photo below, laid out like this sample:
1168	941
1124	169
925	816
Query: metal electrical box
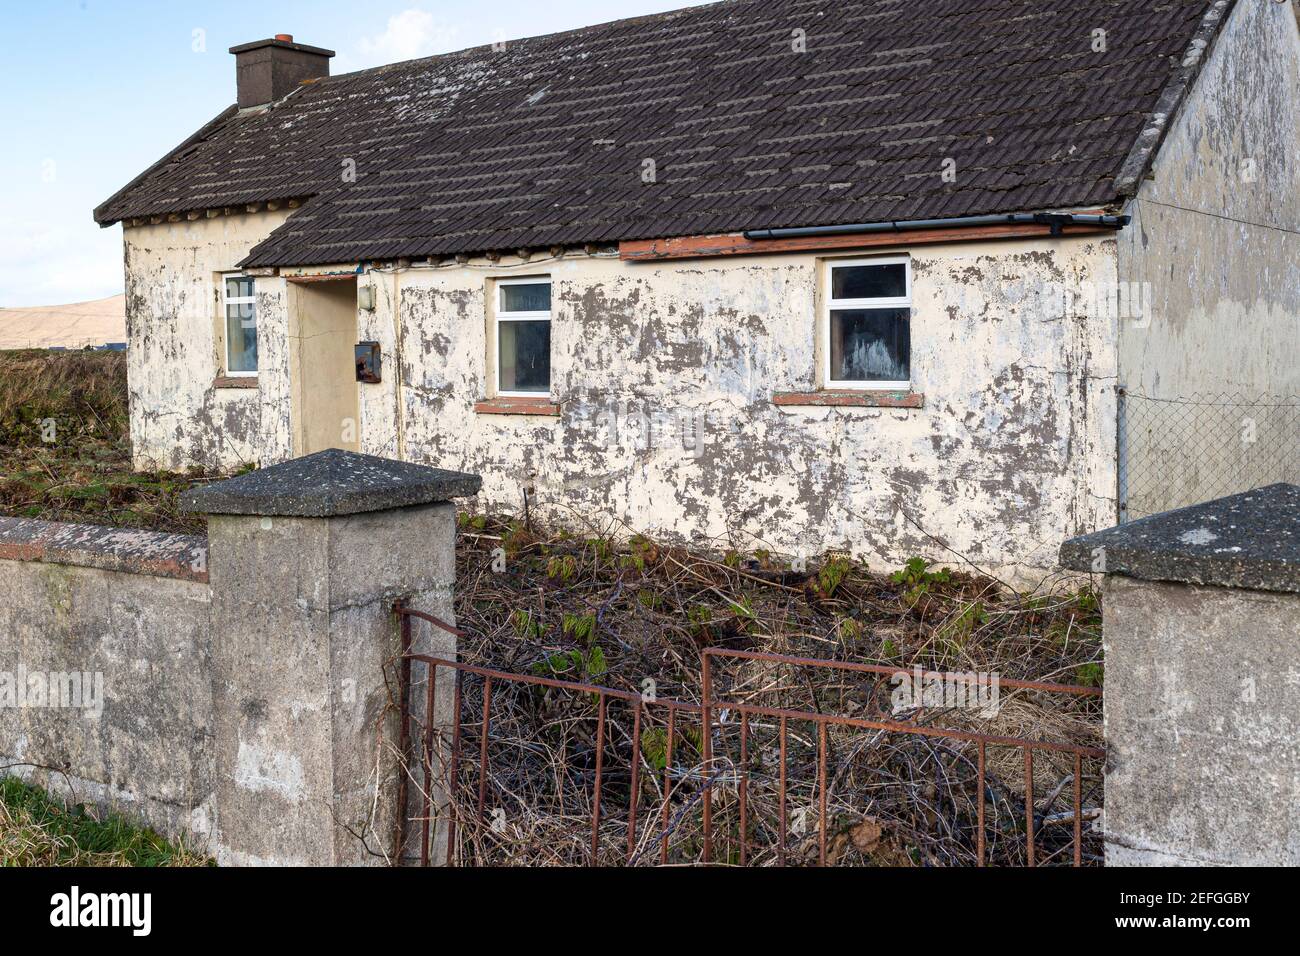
369	363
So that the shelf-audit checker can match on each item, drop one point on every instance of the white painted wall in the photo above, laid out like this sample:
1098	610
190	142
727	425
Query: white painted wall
1013	451
172	313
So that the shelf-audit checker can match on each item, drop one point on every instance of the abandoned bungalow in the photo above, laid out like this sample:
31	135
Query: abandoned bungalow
867	275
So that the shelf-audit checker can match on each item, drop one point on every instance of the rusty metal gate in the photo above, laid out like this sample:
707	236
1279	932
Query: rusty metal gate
605	776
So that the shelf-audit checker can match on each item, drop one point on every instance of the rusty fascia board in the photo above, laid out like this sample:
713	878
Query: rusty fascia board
323	273
735	244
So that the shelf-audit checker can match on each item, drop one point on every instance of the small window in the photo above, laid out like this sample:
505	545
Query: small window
239	307
523	335
866	324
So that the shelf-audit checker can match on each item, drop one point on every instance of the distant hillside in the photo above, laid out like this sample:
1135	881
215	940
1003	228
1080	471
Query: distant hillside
72	326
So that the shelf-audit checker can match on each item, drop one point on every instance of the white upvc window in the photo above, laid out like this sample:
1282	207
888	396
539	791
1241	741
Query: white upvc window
239	313
866	322
522	365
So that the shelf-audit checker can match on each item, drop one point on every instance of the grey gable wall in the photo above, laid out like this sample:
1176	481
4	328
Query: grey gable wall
1214	249
1221	252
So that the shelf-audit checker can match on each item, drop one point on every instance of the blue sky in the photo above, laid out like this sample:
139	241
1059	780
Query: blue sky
97	90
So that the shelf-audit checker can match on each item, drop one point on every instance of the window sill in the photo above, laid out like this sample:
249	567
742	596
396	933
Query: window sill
518	406
851	398
235	381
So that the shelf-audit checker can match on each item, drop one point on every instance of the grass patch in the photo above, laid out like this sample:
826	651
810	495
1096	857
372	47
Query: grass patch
65	447
80	393
36	830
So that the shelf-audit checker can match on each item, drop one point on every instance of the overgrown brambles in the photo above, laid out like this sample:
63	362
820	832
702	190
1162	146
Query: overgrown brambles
561	591
621	611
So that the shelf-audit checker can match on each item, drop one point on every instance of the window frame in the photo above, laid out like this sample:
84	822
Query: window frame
500	315
830	304
226	301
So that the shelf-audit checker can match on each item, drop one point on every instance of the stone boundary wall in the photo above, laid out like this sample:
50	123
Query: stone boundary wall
116	623
235	689
180	556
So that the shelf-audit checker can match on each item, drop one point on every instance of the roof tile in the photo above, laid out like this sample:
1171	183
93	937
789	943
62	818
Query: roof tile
546	141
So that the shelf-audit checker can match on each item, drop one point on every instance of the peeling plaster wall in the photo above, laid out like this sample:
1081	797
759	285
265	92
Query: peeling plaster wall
1222	252
1215	235
1013	451
178	418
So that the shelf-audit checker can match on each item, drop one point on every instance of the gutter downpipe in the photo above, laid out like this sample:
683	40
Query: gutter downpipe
1058	221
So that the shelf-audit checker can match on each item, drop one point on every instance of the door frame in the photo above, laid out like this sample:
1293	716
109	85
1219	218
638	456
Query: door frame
299	300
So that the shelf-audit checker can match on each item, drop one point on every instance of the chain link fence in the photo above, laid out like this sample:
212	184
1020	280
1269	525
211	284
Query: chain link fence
1179	452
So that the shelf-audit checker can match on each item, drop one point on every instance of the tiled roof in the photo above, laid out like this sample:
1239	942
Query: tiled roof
550	140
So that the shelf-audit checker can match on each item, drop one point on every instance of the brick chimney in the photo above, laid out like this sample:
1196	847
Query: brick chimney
266	70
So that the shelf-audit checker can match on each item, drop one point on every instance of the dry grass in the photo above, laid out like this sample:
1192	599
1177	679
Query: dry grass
36	830
65	452
84	392
588	609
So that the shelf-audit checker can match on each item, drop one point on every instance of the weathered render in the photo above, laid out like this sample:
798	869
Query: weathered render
666	374
299	651
1213	255
1224	191
179	417
1201	723
132	609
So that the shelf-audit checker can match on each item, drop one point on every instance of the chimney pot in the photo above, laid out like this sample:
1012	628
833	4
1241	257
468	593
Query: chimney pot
269	70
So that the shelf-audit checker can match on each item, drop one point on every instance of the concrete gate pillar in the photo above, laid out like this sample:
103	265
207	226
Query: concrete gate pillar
1201	628
305	560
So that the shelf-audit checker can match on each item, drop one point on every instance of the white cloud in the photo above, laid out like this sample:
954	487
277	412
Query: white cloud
410	34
